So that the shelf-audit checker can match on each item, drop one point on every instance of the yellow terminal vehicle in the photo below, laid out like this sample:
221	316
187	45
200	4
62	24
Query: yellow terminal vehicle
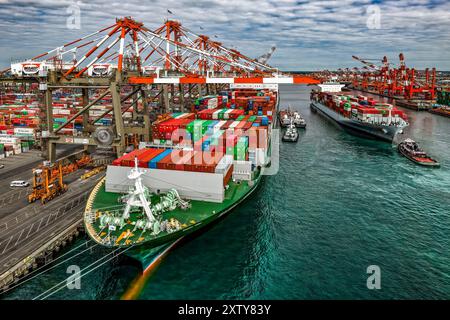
47	183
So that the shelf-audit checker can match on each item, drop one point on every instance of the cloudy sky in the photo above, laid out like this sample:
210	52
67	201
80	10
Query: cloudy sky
309	35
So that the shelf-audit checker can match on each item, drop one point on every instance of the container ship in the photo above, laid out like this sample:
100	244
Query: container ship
198	167
359	115
442	106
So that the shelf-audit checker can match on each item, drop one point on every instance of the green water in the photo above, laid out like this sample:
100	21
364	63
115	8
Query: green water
338	204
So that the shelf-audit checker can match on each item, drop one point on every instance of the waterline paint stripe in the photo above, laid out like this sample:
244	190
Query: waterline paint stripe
138	284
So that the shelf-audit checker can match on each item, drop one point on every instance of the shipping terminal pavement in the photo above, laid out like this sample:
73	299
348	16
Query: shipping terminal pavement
25	227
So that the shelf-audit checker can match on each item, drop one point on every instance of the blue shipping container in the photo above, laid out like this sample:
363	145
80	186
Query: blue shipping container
152	163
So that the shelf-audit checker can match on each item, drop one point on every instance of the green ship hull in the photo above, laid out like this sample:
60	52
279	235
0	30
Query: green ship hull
147	248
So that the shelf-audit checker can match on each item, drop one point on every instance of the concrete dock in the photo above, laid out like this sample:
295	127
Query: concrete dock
31	233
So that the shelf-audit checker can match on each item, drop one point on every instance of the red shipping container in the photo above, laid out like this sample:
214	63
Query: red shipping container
178	159
187	116
240	125
236	113
148	155
206	114
262	136
226	125
128	159
162	164
247	125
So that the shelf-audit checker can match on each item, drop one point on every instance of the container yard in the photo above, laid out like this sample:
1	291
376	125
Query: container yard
155	152
404	85
442	106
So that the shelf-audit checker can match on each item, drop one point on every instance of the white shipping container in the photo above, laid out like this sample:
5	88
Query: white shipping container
9	140
242	170
190	185
234	124
212	103
219	125
224	163
24	131
61	111
215	114
226	115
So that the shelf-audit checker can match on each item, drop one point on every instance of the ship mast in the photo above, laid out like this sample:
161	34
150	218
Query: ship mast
137	197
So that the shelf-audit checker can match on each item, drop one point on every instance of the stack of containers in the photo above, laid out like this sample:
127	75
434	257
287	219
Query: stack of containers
153	163
225	167
128	159
11	145
196	129
148	155
230	143
165	129
25	146
215	138
241	149
204	162
176	160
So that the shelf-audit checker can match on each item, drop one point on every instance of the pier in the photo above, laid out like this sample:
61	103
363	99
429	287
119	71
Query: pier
30	234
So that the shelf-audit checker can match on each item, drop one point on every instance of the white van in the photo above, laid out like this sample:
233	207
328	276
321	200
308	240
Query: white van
19	183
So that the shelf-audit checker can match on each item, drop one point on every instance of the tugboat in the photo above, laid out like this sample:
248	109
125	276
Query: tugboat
285	117
411	150
291	134
299	122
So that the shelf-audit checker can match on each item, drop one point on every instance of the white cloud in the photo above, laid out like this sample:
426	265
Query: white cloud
309	35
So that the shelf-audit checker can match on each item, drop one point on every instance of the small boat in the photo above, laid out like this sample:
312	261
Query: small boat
285	117
411	150
291	134
299	122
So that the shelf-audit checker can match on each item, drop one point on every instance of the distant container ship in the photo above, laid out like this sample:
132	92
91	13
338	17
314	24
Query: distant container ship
359	115
199	166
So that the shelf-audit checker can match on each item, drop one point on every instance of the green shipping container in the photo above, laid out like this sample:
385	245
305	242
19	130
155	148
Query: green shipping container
215	137
221	113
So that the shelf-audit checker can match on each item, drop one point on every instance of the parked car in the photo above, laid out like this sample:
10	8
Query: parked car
2	166
19	183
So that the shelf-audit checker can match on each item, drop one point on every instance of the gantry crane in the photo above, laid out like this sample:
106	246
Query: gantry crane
127	61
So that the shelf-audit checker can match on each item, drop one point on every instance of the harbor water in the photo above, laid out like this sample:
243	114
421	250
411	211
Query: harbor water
338	205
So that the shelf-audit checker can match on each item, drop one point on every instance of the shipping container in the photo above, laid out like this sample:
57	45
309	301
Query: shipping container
153	162
148	155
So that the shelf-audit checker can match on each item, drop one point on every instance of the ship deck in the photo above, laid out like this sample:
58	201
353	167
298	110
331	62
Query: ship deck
200	213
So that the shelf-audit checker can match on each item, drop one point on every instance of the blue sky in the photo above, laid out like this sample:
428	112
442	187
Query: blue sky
309	35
